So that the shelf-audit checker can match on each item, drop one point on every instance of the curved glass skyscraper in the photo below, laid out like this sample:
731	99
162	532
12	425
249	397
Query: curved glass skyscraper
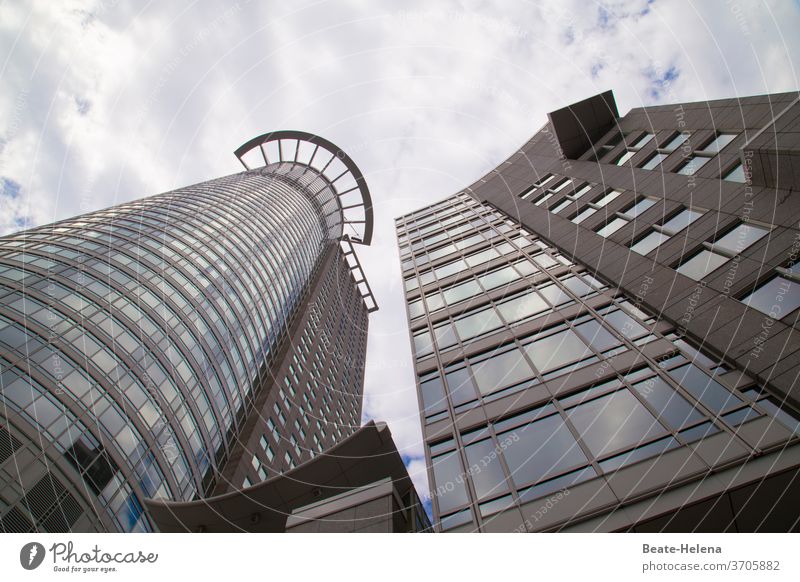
147	348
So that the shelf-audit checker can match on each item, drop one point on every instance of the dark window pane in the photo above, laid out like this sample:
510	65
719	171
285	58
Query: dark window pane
614	422
597	336
449	482
707	390
485	469
542	448
433	395
462	390
670	406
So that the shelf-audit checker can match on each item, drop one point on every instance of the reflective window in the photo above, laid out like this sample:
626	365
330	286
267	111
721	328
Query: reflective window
720	142
554	351
422	343
645	139
612	227
501	370
584	214
702	264
540	449
614	422
649	242
735	174
675	142
681	220
704	388
433	399
654	161
640	206
693	164
525	305
477	323
597	336
670	406
445	335
460	292
449	480
485	469
460	386
778	297
498	278
608	198
741	237
624	157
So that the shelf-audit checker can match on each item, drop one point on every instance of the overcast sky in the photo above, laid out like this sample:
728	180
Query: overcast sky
104	102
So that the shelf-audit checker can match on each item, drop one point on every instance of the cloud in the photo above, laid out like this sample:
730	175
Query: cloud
105	102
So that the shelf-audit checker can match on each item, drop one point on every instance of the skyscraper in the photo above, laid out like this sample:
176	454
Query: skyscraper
605	325
188	344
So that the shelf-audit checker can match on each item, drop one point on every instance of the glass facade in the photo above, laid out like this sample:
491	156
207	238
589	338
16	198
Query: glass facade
134	341
498	314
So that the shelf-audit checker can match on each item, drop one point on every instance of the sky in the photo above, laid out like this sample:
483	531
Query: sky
106	101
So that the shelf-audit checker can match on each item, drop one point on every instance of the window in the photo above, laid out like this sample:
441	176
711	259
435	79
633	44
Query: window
499	277
609	197
562	185
704	388
449	480
612	227
735	174
653	161
547	196
584	214
460	292
613	422
740	238
423	344
445	335
701	264
553	352
522	307
719	142
692	164
485	469
642	141
779	296
624	157
541	449
432	391
639	206
649	242
460	386
662	233
561	206
501	370
670	406
675	142
721	251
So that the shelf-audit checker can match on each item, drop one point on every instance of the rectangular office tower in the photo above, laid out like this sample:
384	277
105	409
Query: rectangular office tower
605	326
203	345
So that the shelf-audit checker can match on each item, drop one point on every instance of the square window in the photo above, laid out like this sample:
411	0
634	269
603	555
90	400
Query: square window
701	264
613	422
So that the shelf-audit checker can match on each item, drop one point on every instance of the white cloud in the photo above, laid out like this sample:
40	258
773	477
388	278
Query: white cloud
425	100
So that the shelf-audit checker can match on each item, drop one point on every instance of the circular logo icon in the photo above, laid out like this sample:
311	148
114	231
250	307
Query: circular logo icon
31	555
